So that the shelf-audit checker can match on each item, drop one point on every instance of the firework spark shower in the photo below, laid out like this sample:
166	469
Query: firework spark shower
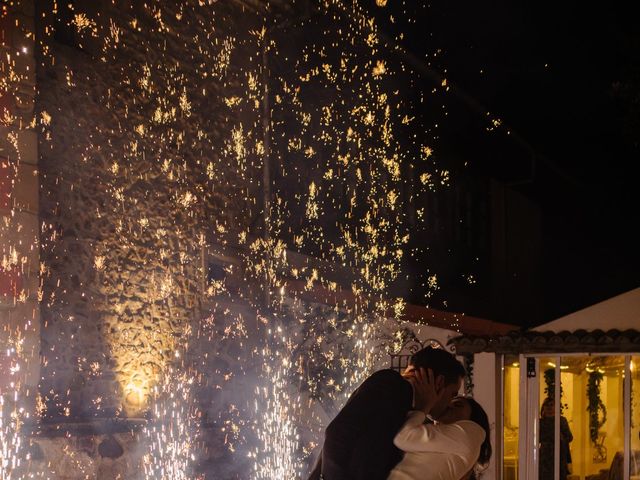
10	439
172	431
232	174
217	217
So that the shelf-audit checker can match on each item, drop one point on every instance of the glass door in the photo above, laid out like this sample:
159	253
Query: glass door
511	419
578	417
634	413
544	450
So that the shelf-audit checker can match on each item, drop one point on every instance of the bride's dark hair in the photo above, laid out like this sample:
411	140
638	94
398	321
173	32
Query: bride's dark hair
479	416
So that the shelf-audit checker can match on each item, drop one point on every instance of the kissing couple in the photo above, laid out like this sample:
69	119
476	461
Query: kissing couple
409	426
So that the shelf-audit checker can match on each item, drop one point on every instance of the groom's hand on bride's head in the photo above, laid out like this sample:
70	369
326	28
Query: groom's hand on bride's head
427	394
429	378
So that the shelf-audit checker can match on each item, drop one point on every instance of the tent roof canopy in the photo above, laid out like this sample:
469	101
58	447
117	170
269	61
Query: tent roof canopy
621	312
597	341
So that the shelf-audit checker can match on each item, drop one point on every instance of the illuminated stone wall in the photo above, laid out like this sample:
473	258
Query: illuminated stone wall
144	155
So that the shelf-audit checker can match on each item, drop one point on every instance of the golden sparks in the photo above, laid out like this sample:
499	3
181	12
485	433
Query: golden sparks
283	157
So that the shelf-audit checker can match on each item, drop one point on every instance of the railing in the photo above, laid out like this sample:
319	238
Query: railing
399	361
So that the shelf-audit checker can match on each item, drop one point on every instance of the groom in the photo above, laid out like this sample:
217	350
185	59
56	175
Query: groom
358	442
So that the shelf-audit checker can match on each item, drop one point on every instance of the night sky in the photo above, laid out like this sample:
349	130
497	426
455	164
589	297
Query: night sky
564	77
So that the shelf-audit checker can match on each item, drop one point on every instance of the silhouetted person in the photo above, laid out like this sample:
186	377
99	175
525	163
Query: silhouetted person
547	439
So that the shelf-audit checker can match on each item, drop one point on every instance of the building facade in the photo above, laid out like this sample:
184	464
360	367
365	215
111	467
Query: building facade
586	366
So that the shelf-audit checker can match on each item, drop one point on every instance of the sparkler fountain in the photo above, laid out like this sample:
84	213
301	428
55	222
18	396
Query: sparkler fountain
10	439
171	430
278	454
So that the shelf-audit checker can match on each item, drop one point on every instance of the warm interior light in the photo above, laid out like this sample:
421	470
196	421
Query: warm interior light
551	364
515	364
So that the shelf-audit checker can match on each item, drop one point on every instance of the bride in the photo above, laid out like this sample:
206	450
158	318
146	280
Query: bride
449	449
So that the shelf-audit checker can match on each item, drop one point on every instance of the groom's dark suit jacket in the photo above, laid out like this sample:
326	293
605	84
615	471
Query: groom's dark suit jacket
358	443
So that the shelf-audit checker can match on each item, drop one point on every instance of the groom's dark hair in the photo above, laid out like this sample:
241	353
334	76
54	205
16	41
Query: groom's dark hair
440	361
